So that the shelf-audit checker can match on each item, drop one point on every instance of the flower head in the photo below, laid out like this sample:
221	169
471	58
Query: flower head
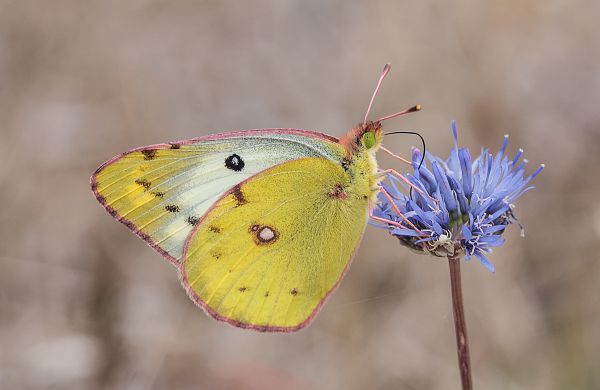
458	206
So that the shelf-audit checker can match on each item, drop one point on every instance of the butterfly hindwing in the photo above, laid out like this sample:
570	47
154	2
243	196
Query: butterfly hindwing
161	192
269	252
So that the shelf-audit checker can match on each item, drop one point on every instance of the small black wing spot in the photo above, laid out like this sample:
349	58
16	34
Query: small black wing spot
238	195
144	183
172	208
149	154
234	162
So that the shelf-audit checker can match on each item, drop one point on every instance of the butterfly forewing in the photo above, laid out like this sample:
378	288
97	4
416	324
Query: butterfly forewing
161	192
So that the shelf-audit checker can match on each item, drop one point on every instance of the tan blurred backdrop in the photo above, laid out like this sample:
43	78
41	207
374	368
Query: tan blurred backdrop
84	304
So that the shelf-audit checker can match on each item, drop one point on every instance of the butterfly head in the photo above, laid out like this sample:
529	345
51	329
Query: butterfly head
371	136
364	137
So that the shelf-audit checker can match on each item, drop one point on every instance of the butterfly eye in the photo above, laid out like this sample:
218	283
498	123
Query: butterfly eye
368	139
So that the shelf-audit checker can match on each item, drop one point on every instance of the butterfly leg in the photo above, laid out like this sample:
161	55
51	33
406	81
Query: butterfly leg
395	155
402	178
408	183
397	210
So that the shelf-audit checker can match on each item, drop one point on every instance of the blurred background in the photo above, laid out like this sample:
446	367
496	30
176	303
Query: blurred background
84	304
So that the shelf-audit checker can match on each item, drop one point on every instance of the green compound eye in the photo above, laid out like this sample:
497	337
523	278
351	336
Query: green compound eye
368	139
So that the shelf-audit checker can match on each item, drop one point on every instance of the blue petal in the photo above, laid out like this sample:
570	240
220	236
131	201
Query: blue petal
503	147
405	232
467	176
444	187
498	213
454	133
483	260
428	179
453	161
437	228
416	158
537	171
460	196
517	157
466	232
494	229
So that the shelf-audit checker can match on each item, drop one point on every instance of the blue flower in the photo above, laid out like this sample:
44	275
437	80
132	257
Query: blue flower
458	206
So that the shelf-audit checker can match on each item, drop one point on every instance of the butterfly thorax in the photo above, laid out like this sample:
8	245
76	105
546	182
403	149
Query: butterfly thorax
361	143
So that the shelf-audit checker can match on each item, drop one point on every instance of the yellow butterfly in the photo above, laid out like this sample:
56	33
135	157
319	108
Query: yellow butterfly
261	224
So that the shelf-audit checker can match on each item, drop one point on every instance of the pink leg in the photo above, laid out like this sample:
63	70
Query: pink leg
395	155
393	223
386	221
405	180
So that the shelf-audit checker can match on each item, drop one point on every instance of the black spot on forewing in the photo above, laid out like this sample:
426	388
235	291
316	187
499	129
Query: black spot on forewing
234	162
149	154
214	229
266	294
174	145
193	220
239	195
144	183
243	288
172	208
158	194
294	291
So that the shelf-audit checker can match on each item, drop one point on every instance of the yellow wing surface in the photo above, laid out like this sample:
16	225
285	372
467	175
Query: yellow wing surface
271	250
160	192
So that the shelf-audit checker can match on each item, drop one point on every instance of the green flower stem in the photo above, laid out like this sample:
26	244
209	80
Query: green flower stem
460	325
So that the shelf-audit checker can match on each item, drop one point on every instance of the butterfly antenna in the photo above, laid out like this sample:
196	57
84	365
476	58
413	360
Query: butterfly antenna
407	111
386	70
